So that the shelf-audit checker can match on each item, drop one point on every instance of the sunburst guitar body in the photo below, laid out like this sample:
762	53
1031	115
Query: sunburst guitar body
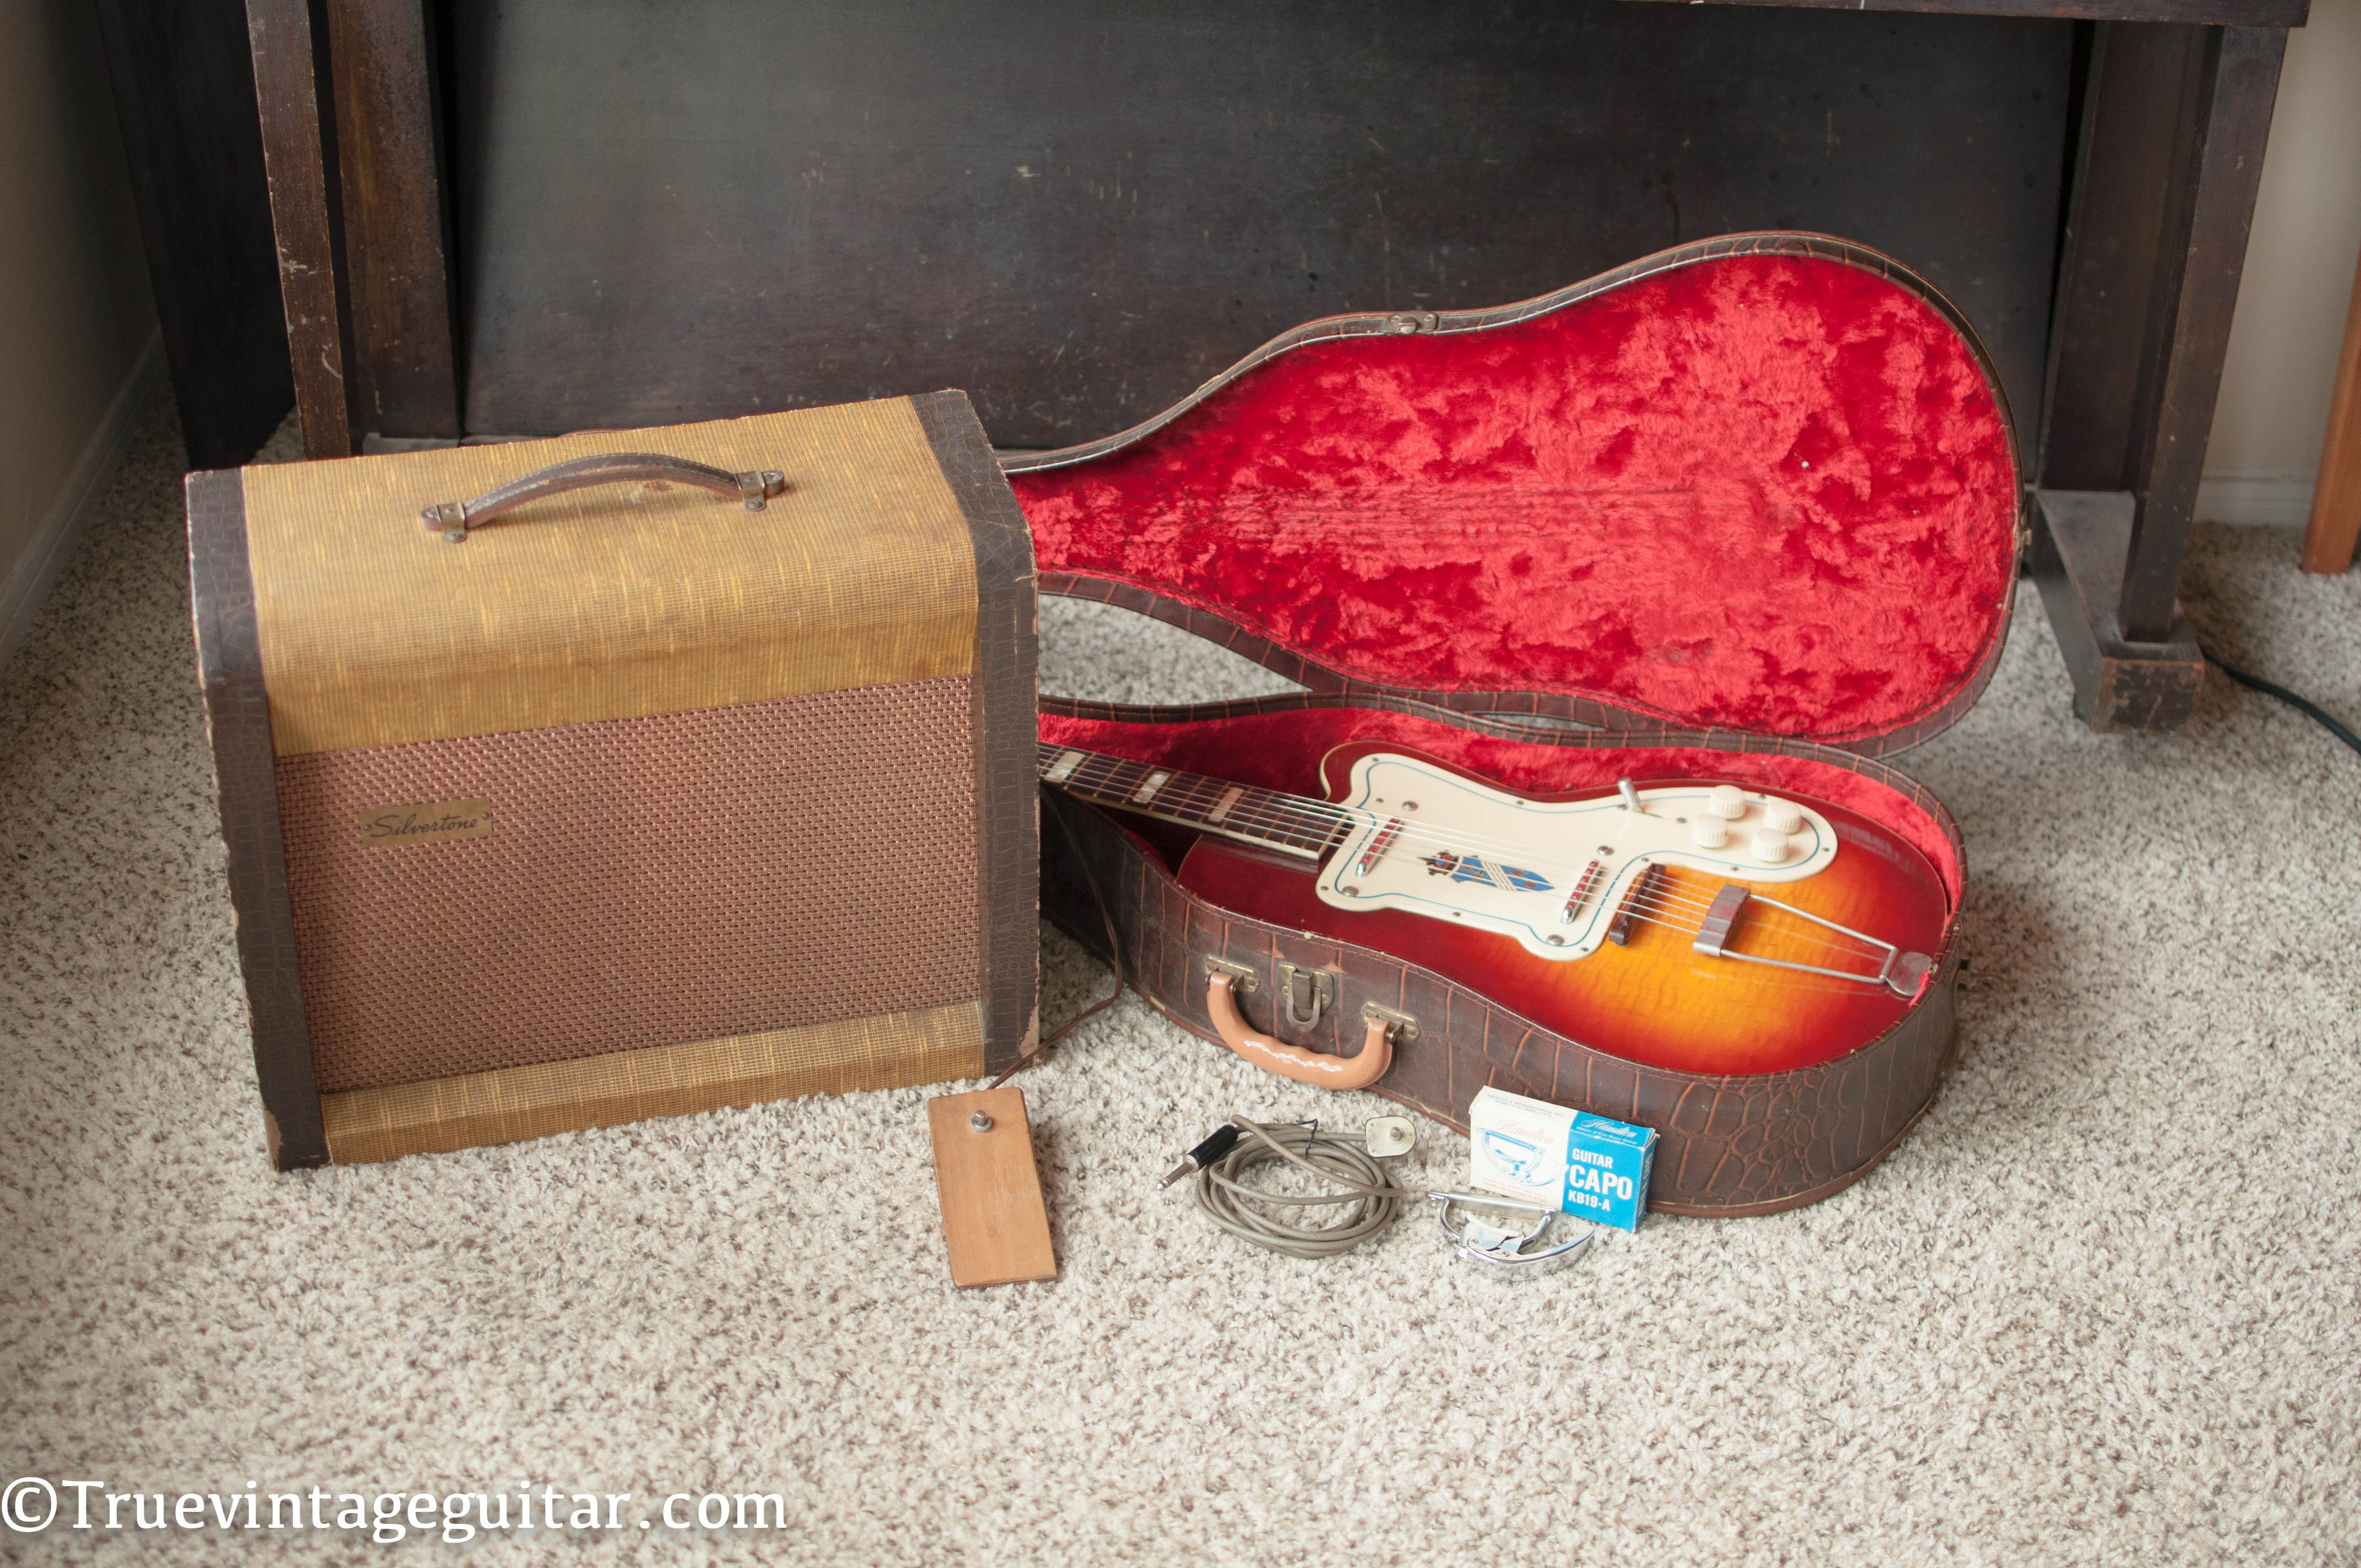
1689	924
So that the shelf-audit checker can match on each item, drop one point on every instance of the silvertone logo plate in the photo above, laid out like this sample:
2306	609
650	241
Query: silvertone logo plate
383	827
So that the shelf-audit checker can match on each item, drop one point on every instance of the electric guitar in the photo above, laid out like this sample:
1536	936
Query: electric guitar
1688	923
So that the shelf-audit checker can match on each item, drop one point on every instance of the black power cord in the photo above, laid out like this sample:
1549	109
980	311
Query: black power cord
2302	704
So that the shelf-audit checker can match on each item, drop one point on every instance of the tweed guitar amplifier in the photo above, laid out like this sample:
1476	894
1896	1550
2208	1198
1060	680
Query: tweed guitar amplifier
631	773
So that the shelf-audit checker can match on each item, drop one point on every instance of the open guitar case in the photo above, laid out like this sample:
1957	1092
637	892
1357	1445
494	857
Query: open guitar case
1747	509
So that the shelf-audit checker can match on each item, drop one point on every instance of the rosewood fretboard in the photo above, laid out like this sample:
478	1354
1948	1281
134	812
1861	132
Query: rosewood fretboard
1287	822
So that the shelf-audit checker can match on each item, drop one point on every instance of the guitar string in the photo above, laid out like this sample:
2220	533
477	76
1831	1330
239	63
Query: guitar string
1803	938
1275	823
1272	812
1675	898
1688	898
1677	917
1770	978
1269	814
1671	899
1665	908
1788	979
1812	938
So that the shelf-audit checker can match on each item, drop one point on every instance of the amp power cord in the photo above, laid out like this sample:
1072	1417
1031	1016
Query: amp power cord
2302	704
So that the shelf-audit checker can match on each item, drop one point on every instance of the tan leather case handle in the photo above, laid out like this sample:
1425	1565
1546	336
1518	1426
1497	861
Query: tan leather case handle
452	520
1376	1056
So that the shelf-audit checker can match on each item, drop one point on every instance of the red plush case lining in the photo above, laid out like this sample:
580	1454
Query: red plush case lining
1772	492
1282	750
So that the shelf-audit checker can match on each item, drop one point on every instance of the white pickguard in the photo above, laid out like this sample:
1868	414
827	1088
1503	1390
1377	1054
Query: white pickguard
1521	841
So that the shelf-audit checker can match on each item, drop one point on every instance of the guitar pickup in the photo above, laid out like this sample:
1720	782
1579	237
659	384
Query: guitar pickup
1377	847
1581	893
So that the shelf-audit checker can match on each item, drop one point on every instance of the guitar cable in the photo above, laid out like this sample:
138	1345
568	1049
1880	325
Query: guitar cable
1351	1173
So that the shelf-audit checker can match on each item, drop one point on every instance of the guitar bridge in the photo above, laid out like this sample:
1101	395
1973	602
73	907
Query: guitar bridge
1713	934
1620	933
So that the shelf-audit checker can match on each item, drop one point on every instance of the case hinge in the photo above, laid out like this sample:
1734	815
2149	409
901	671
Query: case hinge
1242	977
1400	1025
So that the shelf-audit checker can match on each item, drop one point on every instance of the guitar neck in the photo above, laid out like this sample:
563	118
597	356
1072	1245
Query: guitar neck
1291	824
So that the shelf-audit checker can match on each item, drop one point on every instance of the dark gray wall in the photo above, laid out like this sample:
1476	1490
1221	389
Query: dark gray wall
1079	212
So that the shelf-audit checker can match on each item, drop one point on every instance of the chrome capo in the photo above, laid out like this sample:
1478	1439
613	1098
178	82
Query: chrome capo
1501	1245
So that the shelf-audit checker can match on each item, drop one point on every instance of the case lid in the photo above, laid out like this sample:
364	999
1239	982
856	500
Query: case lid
1764	483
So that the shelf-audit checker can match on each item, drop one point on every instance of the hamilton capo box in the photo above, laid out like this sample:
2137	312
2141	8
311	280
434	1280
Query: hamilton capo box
626	774
1587	1165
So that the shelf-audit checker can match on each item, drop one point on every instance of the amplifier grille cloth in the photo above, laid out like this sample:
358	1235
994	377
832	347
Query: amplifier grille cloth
647	881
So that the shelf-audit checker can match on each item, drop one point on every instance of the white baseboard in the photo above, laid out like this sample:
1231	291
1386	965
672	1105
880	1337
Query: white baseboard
28	581
2277	500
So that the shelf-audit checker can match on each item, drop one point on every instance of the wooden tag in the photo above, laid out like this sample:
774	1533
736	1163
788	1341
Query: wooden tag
993	1218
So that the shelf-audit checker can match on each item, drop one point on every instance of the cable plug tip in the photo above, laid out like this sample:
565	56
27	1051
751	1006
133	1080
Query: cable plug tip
1224	1137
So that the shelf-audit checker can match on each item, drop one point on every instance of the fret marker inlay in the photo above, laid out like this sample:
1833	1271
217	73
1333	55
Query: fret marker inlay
1148	786
1222	807
1063	768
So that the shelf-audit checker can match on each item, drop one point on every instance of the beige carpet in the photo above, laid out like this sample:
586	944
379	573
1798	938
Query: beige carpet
2099	1307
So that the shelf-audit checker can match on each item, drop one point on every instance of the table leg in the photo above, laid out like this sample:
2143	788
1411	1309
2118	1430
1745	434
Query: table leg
2170	158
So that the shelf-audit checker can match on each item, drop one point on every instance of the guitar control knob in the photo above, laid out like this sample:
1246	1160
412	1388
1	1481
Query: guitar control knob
1726	801
1770	846
1784	815
1709	832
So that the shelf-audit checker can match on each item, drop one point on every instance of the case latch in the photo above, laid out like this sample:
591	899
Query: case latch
1306	993
1404	323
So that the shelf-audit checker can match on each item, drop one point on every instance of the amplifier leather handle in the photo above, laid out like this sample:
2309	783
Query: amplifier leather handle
452	520
1293	1061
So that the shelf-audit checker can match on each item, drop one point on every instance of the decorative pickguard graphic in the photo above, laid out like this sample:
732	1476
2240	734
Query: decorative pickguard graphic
1554	874
1473	868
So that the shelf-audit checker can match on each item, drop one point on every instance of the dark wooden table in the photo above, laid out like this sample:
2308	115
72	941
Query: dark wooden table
561	214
